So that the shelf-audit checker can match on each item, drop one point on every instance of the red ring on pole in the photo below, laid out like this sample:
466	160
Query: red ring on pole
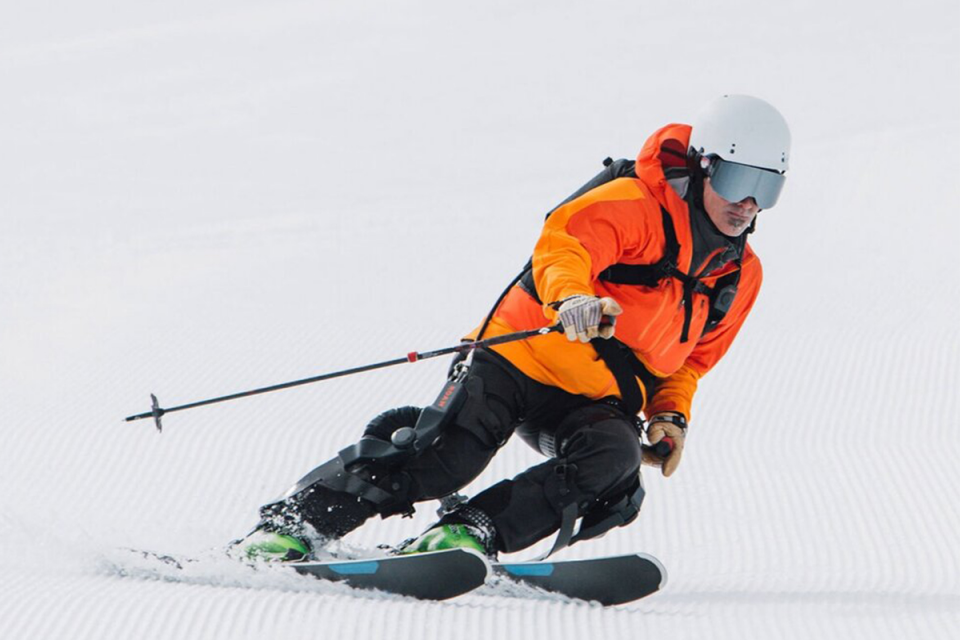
413	356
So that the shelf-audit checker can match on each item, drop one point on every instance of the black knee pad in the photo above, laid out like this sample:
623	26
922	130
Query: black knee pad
383	426
602	445
615	435
552	439
608	454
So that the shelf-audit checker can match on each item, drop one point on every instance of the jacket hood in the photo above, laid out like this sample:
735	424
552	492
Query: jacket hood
666	148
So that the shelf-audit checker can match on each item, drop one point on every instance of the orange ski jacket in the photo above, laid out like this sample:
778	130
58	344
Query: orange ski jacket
621	222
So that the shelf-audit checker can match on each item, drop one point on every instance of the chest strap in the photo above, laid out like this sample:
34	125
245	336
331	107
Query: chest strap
650	275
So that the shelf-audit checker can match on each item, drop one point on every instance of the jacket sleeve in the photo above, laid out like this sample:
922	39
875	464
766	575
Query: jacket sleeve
584	237
676	391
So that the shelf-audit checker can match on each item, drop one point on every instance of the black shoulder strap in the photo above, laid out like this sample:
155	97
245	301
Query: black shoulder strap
721	295
649	275
496	305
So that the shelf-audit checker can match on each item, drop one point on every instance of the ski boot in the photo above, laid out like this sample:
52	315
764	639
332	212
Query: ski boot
447	536
272	546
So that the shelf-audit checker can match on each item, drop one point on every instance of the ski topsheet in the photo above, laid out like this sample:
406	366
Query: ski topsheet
609	581
434	575
438	575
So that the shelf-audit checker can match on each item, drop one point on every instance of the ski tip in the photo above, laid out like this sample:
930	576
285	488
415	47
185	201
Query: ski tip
662	569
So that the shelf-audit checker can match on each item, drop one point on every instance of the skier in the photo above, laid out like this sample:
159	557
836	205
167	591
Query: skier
649	272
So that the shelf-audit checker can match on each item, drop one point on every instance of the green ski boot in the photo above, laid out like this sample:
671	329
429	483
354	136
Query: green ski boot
447	536
274	547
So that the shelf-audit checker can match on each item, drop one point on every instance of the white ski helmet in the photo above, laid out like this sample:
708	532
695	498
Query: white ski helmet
751	140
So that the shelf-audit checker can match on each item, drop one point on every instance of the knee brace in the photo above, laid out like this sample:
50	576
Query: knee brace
601	507
485	414
361	473
367	477
335	500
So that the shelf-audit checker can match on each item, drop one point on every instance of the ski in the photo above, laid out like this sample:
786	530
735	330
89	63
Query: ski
609	581
440	575
434	575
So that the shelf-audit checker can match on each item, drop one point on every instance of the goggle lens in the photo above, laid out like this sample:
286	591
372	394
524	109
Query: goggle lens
735	182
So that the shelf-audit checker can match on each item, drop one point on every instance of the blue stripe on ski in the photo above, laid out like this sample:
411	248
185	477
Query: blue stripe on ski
355	568
534	569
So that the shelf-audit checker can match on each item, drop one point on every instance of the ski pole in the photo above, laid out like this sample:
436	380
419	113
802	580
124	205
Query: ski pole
156	411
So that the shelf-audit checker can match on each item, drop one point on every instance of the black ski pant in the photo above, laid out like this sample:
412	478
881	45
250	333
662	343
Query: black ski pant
595	446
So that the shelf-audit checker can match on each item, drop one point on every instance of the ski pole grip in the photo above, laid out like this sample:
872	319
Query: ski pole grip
664	448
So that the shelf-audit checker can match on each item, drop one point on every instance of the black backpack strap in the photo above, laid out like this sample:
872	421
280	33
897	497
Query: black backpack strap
626	369
496	305
649	275
691	285
725	288
721	295
527	284
721	298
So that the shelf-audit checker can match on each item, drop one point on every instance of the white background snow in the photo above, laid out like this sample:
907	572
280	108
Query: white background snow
202	197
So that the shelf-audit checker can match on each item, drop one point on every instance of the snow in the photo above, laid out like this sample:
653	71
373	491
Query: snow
200	198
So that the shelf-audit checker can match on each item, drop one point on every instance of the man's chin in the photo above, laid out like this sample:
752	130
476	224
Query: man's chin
735	228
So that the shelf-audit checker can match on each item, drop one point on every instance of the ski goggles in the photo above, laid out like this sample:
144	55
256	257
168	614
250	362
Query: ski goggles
735	182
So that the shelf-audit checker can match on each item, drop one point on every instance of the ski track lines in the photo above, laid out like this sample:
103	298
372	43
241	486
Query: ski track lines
804	508
846	474
118	608
800	512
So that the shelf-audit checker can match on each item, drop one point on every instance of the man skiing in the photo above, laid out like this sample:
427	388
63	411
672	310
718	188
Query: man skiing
649	273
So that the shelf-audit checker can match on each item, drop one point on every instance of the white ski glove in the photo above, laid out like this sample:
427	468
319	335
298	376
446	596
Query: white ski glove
666	425
580	316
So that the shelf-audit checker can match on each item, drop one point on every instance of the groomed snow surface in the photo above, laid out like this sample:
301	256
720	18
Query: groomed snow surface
203	198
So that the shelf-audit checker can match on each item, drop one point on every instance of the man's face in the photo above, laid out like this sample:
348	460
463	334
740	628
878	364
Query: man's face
731	218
